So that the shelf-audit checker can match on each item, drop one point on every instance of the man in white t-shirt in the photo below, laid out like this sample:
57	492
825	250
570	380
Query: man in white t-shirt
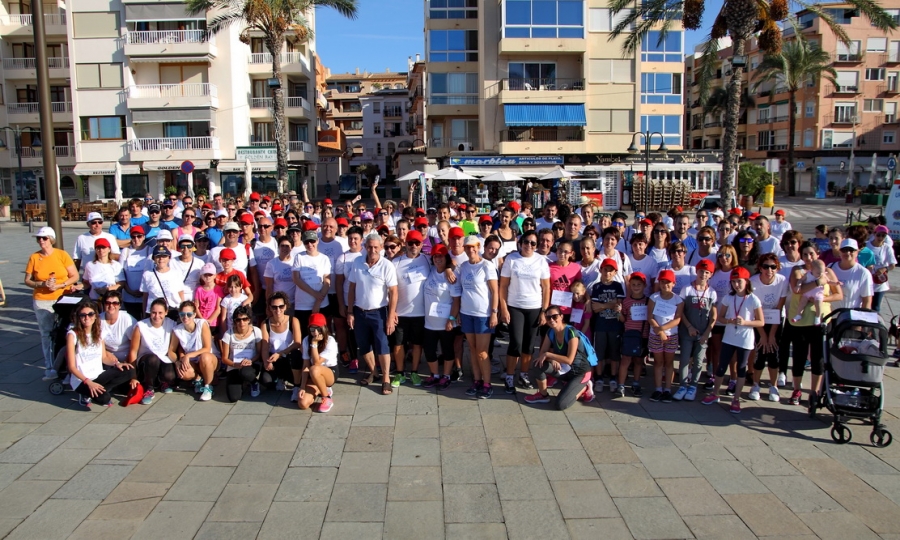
780	225
84	245
856	280
765	241
373	299
548	217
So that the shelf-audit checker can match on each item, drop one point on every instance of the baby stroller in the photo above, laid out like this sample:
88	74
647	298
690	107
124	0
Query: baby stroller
855	356
63	309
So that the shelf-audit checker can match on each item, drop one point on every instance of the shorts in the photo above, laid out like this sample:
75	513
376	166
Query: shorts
470	324
608	345
331	310
370	330
657	345
409	331
769	359
718	330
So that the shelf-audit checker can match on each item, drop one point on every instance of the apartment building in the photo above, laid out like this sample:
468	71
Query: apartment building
408	159
334	159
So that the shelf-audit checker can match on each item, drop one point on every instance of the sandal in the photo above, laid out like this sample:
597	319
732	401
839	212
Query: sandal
366	381
386	389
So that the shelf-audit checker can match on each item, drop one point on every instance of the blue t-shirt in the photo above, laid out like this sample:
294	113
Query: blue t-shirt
139	220
171	225
116	230
150	232
215	236
608	319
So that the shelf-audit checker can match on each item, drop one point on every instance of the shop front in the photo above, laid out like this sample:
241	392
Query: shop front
170	175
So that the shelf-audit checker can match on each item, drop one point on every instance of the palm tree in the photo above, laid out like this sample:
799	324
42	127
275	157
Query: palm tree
794	66
717	102
739	19
274	19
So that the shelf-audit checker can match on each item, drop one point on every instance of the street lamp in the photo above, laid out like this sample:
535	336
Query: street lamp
17	136
633	149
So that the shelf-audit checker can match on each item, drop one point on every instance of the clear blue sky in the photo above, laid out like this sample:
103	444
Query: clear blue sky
386	32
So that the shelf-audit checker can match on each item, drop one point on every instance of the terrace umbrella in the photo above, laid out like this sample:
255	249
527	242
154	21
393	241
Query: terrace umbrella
248	179
450	173
502	177
414	176
558	173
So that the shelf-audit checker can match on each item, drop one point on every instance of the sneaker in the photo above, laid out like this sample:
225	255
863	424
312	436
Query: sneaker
485	391
691	393
598	386
84	401
431	381
782	380
353	367
50	375
754	393
165	388
795	397
666	396
680	393
326	405
444	383
735	406
509	385
415	379
537	397
551	381
254	389
525	382
731	386
473	390
279	385
710	399
456	375
148	397
207	393
656	395
198	386
613	386
636	390
620	391
588	395
774	396
295	394
398	379
710	384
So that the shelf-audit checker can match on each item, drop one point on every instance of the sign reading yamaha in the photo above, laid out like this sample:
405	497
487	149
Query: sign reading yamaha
256	153
505	161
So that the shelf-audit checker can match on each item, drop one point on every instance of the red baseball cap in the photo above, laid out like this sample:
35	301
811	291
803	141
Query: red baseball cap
514	205
754	215
439	249
135	395
343	222
639	275
317	319
281	222
485	219
310	225
384	228
247	219
646	221
420	211
420	221
227	254
666	275
276	207
779	212
101	242
610	262
735	211
267	198
328	201
254	196
457	232
705	264
207	206
414	236
462	207
740	273
137	229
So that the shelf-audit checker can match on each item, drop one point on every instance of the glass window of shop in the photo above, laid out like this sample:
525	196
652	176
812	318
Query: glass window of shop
233	184
133	185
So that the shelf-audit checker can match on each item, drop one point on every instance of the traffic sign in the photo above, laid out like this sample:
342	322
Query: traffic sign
800	165
892	164
187	167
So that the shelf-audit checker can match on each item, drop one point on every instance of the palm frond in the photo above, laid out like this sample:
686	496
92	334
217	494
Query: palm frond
875	13
347	8
707	70
222	21
839	32
659	15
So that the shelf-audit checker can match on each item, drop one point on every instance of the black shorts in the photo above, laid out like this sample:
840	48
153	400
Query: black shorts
332	309
608	345
409	331
718	330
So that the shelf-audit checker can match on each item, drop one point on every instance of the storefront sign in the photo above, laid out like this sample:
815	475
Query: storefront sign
640	157
256	153
332	159
505	161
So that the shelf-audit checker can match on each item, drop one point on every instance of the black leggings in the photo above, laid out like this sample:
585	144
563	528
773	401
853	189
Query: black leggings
236	378
433	338
772	360
784	344
573	382
109	380
728	351
807	344
152	370
522	325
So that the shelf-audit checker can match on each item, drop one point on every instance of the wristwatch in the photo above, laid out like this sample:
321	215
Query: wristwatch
494	311
452	318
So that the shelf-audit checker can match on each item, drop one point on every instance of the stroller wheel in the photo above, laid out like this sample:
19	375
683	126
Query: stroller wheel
841	434
56	388
881	438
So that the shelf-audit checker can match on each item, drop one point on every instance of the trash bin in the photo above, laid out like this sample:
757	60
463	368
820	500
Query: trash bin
768	199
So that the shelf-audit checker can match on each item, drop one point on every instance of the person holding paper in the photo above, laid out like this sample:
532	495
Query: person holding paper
441	308
479	303
563	273
413	269
606	305
665	310
726	261
636	332
695	329
684	273
742	312
771	287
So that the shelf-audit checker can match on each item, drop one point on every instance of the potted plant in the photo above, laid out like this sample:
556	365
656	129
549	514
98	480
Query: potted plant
5	201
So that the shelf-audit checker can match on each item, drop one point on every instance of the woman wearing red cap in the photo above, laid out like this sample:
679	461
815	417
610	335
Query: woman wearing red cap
726	261
320	352
102	274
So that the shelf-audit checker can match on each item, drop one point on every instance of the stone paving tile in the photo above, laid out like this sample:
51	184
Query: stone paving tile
830	475
210	413
857	459
716	527
591	529
31	448
476	531
458	416
554	437
222	452
179	519
523	483
198	483
382	413
542	414
243	502
352	530
581	499
765	515
136	510
666	462
591	423
185	438
357	503
135	491
505	426
240	425
64	424
414	519
92	529
152	424
415	484
729	477
467	468
701	499
261	468
628	480
364	468
887	485
877	511
327	427
22	497
511	452
472	503
371	439
416	427
93	482
56	518
94	435
567	465
318	453
218	530
763	461
609	449
800	494
36	413
417	405
161	466
61	464
416	453
651	517
287	519
837	526
11	471
307	484
522	521
128	448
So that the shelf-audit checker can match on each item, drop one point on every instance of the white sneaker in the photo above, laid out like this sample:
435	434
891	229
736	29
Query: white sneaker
680	393
295	395
207	393
691	394
50	375
613	385
773	394
782	380
754	393
279	385
254	389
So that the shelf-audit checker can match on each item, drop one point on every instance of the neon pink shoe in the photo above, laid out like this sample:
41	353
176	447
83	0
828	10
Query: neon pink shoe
326	405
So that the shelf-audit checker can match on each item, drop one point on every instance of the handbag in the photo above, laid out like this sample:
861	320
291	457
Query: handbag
879	277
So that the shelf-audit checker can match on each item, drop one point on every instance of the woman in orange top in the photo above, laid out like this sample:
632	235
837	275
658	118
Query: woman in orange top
49	272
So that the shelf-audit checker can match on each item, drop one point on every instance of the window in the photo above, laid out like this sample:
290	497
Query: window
656	48
544	19
892	77
455	89
376	108
109	186
754	63
96	24
103	128
807	138
453	9
463	131
611	71
836	139
376	128
874	74
606	121
890	112
531	75
766	140
887	137
873	105
668	125
603	20
876	45
355	125
378	148
453	45
810	109
848	81
98	75
661	88
848	52
845	112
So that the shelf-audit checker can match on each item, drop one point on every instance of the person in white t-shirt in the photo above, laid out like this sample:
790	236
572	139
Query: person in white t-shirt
771	287
856	280
161	281
187	265
102	274
665	308
742	312
345	336
320	361
150	348
548	217
192	351
766	242
413	269
117	327
279	273
84	244
882	247
780	225
312	276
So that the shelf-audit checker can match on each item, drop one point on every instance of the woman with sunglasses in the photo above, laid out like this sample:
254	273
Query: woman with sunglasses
685	274
281	358
134	259
187	265
241	353
790	245
725	235
726	261
102	274
161	281
192	352
564	357
748	252
117	327
706	247
312	276
885	261
187	224
771	287
478	308
659	245
209	220
279	273
91	372
524	297
149	351
392	247
320	365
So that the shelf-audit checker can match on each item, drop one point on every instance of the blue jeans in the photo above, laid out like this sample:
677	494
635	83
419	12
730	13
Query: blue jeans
370	328
46	320
876	300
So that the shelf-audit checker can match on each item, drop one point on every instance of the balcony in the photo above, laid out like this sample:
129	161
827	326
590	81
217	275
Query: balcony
392	112
543	45
887	119
455	104
849	90
26	113
174	148
844	118
299	151
298	106
347	114
332	139
890	57
848	58
771	147
890	88
542	140
157	96
169	42
292	63
34	157
713	124
321	102
26	68
20	25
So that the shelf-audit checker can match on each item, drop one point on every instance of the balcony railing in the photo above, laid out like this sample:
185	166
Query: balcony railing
150	37
887	119
286	58
173	90
263	143
28	19
393	112
771	147
892	57
458	99
260	103
716	123
297	102
173	143
890	88
299	146
773	119
542	134
542	84
34	108
60	151
29	63
780	90
845	89
842	118
848	58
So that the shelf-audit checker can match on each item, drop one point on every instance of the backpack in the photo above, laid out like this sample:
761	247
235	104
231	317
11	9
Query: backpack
584	341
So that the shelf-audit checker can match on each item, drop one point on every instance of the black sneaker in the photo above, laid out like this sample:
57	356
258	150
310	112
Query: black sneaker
473	390
732	385
636	390
509	385
444	383
709	385
485	391
525	382
666	397
656	395
456	375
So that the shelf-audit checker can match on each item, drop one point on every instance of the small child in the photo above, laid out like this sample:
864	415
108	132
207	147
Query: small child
665	309
634	313
606	303
816	294
235	298
580	306
699	317
207	297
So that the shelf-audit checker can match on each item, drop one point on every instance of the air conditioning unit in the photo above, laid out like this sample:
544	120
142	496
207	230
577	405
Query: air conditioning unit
465	147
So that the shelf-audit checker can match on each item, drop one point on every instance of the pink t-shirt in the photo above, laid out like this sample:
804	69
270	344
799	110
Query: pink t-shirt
207	301
561	279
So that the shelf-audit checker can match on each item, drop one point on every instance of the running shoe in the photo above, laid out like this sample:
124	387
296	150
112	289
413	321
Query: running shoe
353	367
656	395
613	386
551	381
279	385
691	393
84	401
731	387
254	389
774	396
473	390
50	375
636	390
620	391
165	388
295	394
415	379
509	385
398	379
709	384
782	380
680	393
666	396
735	406
486	391
537	397
525	382
198	386
431	381
795	397
148	397
754	393
207	393
326	405
710	399
456	375
588	395
444	383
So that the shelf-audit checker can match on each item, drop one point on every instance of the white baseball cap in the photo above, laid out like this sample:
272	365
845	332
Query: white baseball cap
94	215
221	213
164	234
185	238
849	243
46	231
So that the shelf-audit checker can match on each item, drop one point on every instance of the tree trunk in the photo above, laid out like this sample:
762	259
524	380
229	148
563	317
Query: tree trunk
275	45
729	139
792	128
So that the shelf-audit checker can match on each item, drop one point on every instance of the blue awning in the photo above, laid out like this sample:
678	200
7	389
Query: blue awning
556	114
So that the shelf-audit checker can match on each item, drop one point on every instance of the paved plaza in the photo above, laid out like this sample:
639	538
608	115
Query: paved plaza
419	464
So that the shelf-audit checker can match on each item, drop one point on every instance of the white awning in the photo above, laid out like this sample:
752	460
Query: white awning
130	168
91	169
170	59
239	166
640	167
524	172
173	165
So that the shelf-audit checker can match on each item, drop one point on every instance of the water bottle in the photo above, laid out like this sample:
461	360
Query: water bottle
854	398
52	281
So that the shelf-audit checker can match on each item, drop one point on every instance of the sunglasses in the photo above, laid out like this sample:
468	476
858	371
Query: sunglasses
186	314
265	226
660	231
413	243
724	255
241	319
769	267
153	212
531	243
639	216
96	222
279	306
746	240
112	303
705	239
554	316
391	246
680	251
310	241
183	246
618	223
188	216
137	235
355	222
86	315
286	246
43	238
316	329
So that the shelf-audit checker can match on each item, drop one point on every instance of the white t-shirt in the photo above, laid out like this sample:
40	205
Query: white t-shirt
769	245
541	223
769	295
88	359
411	276
372	283
134	264
590	274
243	349
191	272
884	258
787	266
646	266
279	342
312	271
476	295
282	274
333	250
438	294
192	341
344	265
156	340
263	253
684	276
329	355
659	255
745	308
720	282
694	257
229	304
856	283
778	229
241	261
623	262
102	275
661	305
117	336
162	285
84	246
461	258
525	275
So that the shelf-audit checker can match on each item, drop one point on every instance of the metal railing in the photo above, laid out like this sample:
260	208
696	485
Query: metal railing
296	102
892	57
59	151
173	90
542	134
887	119
173	143
286	58
261	103
29	63
33	108
890	88
457	99
848	89
850	117
715	123
149	37
771	147
28	19
848	58
542	84
263	143
299	146
393	112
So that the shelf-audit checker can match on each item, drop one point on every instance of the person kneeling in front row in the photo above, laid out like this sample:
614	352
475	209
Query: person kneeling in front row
564	356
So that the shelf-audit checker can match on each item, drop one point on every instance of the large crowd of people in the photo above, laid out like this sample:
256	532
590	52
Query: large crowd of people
271	294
